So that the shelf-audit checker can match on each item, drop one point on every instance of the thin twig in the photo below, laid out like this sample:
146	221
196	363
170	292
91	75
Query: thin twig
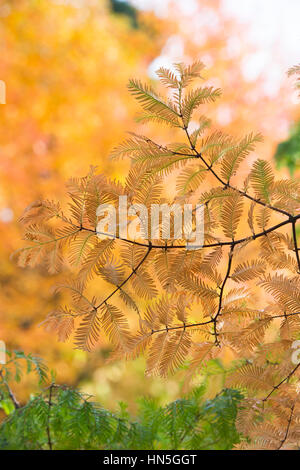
226	184
49	416
288	427
281	382
9	390
227	275
209	245
296	245
182	327
127	279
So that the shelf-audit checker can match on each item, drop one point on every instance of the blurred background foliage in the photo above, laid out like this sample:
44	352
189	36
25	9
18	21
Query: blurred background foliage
66	64
288	152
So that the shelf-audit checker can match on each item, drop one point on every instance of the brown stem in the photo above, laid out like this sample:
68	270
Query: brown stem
288	427
254	236
181	327
127	279
285	315
222	292
226	184
295	244
281	382
49	416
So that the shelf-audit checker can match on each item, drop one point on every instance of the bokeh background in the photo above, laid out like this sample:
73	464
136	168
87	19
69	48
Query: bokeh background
66	64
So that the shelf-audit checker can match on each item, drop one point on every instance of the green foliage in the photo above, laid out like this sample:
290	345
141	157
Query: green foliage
288	152
59	417
14	367
62	418
124	8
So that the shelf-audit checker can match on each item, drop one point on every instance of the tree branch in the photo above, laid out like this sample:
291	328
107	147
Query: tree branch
295	244
9	390
281	382
127	279
227	275
49	417
226	184
288	427
208	245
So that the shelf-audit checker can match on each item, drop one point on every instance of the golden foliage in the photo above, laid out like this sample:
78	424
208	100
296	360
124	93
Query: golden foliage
188	303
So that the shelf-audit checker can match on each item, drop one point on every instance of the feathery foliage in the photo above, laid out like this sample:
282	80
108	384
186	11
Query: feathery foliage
59	417
188	305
